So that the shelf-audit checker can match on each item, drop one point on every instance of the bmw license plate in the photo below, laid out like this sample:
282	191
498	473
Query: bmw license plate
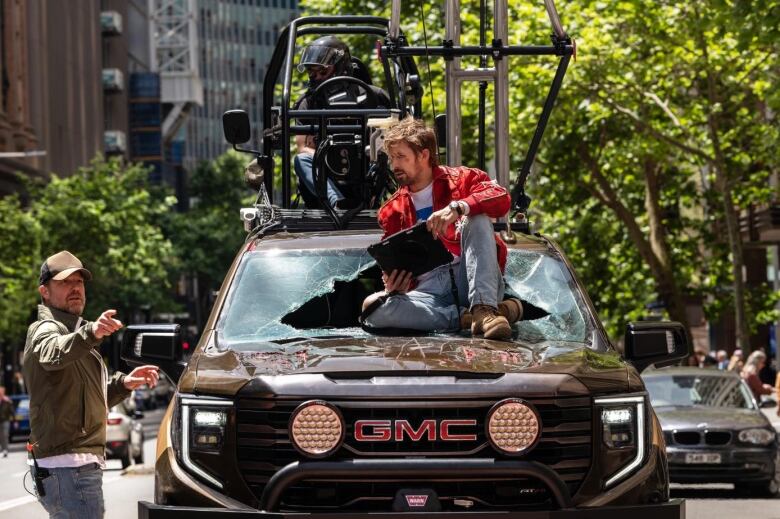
702	457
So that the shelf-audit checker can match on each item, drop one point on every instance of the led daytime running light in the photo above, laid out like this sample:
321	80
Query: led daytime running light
639	403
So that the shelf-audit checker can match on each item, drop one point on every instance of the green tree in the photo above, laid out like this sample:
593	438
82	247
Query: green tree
671	107
20	253
107	216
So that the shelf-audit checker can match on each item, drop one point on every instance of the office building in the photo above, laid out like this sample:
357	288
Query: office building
236	40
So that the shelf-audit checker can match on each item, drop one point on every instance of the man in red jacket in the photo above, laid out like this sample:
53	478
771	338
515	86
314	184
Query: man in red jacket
457	205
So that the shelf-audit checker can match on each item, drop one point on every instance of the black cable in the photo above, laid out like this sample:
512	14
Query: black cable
24	484
427	58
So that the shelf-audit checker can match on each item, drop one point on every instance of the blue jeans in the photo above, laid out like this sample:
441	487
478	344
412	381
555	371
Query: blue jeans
74	492
431	305
304	168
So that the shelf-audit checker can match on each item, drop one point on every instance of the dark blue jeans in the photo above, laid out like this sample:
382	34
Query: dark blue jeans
304	165
431	306
74	493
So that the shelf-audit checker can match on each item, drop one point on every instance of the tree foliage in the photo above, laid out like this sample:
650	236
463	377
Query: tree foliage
20	255
207	237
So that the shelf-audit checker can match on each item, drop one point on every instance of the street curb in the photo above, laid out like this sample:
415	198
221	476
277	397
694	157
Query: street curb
138	470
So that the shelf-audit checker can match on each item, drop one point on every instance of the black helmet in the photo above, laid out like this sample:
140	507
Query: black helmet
327	51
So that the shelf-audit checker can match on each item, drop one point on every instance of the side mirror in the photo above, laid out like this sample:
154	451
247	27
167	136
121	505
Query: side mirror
235	124
767	404
654	343
138	415
157	344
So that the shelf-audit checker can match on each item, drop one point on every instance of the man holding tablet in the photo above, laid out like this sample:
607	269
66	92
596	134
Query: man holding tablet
457	204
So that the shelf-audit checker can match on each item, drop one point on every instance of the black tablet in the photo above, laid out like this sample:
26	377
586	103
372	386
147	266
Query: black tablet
414	250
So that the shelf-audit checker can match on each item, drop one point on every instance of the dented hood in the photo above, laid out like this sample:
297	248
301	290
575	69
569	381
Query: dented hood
226	372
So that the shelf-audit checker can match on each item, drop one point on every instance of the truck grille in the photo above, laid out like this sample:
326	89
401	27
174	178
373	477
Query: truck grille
263	447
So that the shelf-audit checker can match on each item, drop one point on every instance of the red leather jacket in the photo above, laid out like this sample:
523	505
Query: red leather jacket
471	185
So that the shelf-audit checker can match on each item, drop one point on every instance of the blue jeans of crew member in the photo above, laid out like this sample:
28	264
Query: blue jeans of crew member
431	305
74	492
304	168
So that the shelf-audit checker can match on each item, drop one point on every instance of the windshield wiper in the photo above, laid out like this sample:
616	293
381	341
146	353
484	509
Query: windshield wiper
290	340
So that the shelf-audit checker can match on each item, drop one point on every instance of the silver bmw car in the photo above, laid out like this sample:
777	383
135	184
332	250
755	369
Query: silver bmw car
714	429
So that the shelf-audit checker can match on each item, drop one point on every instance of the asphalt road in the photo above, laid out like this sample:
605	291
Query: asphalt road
122	490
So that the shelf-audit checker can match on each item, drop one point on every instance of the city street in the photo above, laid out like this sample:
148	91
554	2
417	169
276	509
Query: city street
123	490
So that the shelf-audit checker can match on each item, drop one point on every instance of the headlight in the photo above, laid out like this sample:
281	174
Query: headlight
316	429
208	429
756	436
513	426
203	424
623	430
618	426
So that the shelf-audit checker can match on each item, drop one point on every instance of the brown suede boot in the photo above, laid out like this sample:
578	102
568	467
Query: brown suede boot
511	308
487	320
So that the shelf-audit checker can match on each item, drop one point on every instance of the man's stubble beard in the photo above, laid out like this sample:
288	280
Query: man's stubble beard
404	179
73	309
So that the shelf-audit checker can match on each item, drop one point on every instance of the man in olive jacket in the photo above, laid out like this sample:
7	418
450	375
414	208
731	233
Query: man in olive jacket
70	391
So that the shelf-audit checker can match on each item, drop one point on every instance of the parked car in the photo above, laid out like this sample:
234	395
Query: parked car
714	429
124	434
21	424
143	398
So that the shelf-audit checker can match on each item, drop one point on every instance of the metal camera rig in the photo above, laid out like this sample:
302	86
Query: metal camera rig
358	130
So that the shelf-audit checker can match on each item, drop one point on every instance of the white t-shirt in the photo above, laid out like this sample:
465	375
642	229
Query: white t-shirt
423	205
423	202
75	459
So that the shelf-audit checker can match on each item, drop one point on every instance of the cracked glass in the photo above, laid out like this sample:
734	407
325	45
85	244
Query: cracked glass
282	296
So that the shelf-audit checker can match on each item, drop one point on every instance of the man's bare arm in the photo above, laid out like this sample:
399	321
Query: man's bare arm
305	143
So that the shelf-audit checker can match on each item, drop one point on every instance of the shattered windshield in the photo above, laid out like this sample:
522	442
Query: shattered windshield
287	295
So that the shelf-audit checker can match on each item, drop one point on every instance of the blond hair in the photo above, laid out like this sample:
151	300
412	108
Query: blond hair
415	134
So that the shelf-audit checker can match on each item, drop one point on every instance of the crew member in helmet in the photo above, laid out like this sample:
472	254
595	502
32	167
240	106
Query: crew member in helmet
324	58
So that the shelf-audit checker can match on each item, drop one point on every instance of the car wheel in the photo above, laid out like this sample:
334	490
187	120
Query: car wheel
764	489
126	458
139	460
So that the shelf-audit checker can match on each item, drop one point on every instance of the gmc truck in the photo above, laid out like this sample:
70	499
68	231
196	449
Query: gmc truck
290	407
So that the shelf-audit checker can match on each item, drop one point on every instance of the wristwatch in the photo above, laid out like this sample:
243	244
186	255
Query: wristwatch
455	206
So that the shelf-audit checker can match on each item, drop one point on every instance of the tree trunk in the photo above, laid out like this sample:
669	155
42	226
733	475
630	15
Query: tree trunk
737	262
723	184
668	288
660	267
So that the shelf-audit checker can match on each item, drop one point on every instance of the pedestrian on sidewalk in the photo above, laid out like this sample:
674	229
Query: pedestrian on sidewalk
6	415
70	391
749	374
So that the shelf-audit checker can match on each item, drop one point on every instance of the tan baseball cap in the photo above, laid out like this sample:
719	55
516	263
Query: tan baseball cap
60	266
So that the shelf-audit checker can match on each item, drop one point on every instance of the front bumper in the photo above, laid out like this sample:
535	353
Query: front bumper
427	469
737	465
674	509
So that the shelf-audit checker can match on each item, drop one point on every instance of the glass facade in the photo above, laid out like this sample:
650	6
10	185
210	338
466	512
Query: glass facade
236	39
